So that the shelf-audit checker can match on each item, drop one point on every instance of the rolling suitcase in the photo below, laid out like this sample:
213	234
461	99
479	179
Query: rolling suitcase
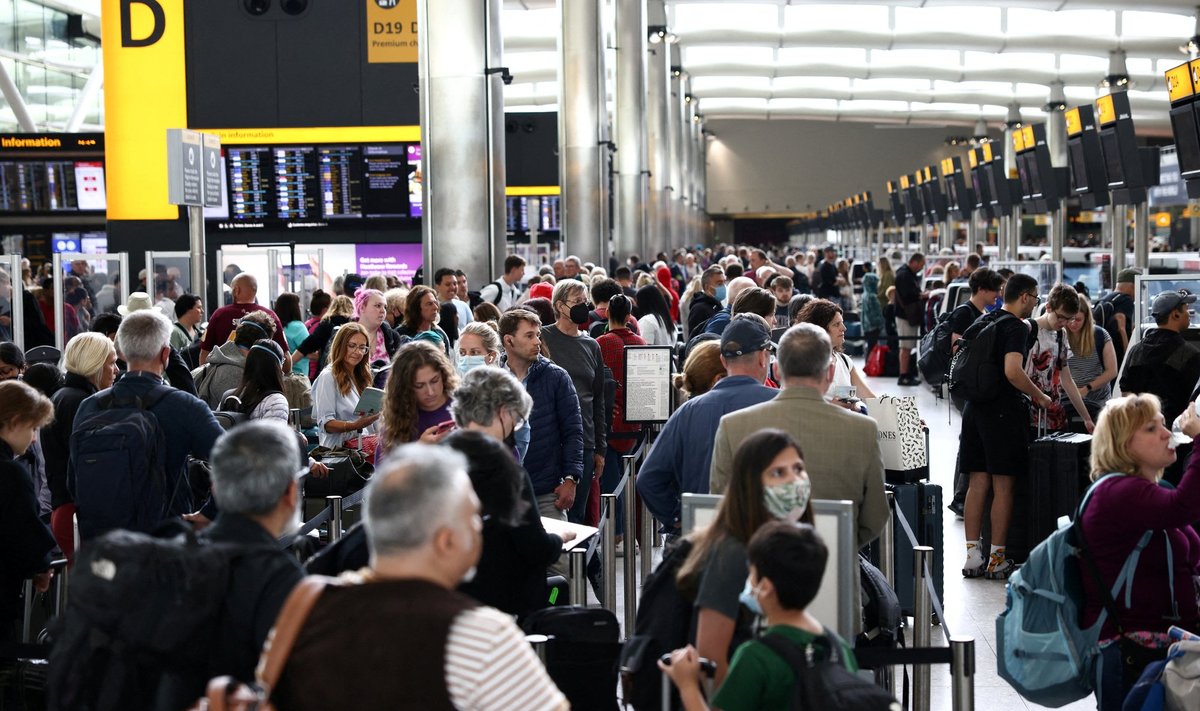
1058	475
921	505
581	655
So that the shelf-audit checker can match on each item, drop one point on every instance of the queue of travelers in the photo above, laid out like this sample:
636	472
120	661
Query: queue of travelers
495	414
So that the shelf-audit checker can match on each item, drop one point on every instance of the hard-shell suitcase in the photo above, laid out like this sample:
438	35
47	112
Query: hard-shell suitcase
1058	475
581	656
921	505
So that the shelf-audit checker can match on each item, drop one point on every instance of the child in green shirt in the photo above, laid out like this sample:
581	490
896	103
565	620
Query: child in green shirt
787	562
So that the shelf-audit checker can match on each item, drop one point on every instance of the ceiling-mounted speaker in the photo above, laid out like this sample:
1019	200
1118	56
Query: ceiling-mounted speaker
257	7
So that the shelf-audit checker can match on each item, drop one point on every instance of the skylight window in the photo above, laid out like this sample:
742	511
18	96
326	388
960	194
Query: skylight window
945	107
796	84
726	103
1008	60
724	16
519	62
1083	63
992	88
1153	24
713	86
940	58
868	105
850	56
822	105
885	85
701	56
976	20
1025	22
857	18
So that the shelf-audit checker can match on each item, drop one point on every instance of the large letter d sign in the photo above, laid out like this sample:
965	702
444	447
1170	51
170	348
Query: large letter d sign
160	23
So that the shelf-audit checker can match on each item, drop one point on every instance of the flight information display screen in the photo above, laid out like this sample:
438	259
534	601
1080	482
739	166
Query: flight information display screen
546	219
51	186
315	186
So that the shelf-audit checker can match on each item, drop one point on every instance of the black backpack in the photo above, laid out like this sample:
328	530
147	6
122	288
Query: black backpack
581	654
119	460
141	624
664	624
822	682
883	619
933	351
976	374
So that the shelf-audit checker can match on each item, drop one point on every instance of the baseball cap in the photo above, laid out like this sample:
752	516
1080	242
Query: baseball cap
744	336
1127	276
1168	301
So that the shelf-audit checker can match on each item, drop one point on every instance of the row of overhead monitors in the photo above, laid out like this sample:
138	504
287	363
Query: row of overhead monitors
1105	166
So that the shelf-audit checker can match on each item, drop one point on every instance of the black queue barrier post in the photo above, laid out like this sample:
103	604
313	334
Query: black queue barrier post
539	642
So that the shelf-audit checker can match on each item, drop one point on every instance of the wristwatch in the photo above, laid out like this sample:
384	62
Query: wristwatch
571	478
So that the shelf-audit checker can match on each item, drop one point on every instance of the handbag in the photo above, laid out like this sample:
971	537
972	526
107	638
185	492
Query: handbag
349	471
876	361
901	435
227	694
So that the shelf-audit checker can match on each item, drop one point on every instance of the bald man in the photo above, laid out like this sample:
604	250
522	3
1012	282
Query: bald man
224	320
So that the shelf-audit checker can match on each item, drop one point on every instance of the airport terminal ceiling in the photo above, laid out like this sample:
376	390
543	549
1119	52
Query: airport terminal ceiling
925	63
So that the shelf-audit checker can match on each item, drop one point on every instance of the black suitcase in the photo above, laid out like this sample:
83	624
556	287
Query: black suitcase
1058	476
581	657
921	505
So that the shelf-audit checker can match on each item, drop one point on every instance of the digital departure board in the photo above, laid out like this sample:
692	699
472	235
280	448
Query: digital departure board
51	186
315	186
547	218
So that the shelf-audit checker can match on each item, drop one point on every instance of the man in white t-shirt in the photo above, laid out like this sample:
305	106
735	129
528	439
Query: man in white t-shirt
425	535
505	292
1047	366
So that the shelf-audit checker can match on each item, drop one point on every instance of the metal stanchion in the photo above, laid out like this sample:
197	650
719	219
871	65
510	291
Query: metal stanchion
648	536
921	626
577	569
62	578
962	673
539	642
294	418
887	544
335	517
27	616
608	549
631	545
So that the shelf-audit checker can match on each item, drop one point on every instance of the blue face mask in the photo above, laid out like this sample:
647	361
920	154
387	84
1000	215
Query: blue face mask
747	598
999	303
466	363
720	295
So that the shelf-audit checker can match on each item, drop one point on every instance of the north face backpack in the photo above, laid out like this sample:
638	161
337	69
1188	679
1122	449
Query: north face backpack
976	374
142	622
118	455
933	351
1042	650
822	680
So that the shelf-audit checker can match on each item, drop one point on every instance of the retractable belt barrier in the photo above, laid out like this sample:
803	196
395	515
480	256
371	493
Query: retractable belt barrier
348	502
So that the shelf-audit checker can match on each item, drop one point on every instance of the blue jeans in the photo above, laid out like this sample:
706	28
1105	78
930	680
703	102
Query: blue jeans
579	508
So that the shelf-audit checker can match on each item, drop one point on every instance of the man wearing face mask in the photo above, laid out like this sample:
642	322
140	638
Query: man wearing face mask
424	532
254	471
578	353
187	425
708	300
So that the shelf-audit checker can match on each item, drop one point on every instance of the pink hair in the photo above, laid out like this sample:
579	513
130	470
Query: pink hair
361	297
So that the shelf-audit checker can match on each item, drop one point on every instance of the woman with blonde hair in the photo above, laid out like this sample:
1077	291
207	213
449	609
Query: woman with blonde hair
479	344
1093	361
701	370
90	362
887	279
337	390
416	404
1127	509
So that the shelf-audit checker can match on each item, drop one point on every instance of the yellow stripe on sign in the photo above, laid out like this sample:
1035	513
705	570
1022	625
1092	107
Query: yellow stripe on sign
987	152
973	158
947	167
904	182
1105	111
1027	136
145	93
531	190
1018	141
332	134
1074	125
891	187
392	31
1179	82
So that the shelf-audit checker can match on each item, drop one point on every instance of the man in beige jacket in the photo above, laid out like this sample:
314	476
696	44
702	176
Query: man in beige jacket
841	452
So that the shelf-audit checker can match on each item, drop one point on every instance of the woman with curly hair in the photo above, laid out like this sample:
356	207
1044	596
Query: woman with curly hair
416	405
338	387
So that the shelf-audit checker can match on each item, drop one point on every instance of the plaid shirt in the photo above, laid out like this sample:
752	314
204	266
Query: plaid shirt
612	350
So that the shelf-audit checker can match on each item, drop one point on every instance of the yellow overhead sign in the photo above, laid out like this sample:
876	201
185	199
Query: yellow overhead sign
1179	82
947	167
1027	136
1018	141
904	182
987	152
1106	112
1074	125
391	31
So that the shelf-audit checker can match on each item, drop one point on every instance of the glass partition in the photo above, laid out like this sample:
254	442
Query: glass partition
12	294
168	276
84	286
1148	286
1047	273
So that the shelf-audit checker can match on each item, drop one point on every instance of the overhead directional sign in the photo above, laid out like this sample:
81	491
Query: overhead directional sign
185	167
213	184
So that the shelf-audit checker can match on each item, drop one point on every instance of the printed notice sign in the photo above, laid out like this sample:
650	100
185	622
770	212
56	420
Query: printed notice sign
391	31
647	384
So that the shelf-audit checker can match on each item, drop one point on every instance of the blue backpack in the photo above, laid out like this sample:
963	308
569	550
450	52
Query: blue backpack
118	460
1042	650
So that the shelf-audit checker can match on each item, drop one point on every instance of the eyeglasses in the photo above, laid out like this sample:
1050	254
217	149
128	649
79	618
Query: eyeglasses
360	349
1068	319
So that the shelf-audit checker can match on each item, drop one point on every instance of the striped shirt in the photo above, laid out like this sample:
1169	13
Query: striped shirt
489	665
1085	369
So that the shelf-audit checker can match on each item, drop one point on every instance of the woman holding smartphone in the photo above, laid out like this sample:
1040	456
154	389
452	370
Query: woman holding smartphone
416	402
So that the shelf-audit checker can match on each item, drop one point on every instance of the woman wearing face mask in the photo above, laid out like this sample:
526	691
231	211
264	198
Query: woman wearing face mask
478	345
416	405
768	483
91	364
27	541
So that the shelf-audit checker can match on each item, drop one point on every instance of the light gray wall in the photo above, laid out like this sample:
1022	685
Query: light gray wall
800	166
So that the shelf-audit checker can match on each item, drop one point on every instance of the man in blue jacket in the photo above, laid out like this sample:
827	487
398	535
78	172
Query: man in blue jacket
682	456
555	456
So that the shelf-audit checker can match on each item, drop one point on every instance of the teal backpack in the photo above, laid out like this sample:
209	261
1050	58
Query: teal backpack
1042	650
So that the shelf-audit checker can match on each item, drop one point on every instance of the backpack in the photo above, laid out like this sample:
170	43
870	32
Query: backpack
1103	312
933	351
975	373
826	683
231	413
143	619
883	619
1041	649
664	621
119	454
499	293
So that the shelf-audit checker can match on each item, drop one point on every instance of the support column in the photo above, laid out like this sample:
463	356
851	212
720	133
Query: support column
658	95
1141	237
1115	222
462	131
697	168
12	95
630	233
1056	125
686	109
581	113
674	145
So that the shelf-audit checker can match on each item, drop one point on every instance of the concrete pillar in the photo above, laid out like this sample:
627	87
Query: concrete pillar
462	132
674	144
686	109
1056	125
581	118
658	95
630	233
698	198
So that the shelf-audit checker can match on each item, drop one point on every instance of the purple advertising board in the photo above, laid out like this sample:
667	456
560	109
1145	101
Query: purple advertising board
401	260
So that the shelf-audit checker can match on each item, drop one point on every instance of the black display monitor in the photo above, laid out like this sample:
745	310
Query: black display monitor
1186	126
1089	182
52	175
895	202
1122	160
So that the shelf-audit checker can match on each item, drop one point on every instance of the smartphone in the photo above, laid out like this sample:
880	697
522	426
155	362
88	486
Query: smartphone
445	426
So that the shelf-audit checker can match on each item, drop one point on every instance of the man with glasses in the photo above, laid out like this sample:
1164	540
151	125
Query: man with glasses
1047	365
994	444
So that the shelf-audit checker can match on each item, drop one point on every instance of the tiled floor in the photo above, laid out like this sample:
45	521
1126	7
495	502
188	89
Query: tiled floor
971	606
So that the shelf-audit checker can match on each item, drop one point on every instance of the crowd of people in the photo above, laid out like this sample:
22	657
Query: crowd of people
501	407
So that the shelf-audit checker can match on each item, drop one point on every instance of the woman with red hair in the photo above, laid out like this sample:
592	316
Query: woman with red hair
664	280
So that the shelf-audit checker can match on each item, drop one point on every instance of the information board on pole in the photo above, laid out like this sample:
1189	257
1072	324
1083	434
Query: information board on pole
185	167
647	384
214	187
